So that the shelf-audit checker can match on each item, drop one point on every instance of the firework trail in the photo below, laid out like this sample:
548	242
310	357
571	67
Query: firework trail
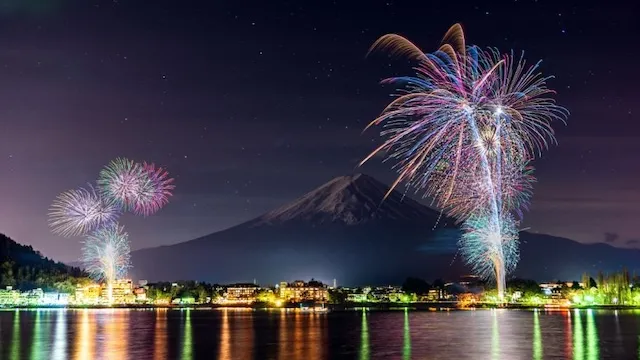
462	131
76	212
106	254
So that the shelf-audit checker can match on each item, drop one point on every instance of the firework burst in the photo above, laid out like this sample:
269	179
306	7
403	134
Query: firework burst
106	253
121	181
462	131
76	212
154	191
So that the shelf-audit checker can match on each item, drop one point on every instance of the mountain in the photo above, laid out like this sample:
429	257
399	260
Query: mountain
25	268
349	200
346	229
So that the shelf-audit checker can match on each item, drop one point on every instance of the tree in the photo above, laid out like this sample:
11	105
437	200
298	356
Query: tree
576	286
415	286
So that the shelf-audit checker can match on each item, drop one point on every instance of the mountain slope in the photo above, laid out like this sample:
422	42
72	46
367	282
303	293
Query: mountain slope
345	230
22	266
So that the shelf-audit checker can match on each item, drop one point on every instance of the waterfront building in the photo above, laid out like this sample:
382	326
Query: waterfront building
122	291
241	293
9	296
88	294
31	297
299	291
141	294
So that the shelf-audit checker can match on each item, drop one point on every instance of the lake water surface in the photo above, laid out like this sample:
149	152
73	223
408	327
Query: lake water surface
246	334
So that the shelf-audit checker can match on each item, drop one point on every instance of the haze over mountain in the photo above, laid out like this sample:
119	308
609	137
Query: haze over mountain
347	230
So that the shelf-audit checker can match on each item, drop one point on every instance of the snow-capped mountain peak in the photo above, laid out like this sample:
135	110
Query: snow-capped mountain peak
349	200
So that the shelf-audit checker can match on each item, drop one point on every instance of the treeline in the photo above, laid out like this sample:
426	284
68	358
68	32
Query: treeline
199	291
24	268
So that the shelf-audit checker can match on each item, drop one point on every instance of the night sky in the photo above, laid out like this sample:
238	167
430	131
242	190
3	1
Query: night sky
250	105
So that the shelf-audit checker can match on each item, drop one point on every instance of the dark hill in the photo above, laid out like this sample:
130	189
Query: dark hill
345	230
23	267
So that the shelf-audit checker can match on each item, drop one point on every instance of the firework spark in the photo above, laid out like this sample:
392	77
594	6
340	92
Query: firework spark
76	212
121	181
154	191
106	254
462	131
140	188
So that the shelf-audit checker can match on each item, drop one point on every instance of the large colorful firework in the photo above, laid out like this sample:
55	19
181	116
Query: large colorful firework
140	188
463	131
106	254
76	212
121	182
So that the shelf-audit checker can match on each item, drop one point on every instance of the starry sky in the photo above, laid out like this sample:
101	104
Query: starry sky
251	104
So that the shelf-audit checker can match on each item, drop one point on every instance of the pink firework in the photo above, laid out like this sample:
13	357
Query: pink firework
154	191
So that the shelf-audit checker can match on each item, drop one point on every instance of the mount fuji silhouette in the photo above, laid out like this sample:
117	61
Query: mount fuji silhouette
347	230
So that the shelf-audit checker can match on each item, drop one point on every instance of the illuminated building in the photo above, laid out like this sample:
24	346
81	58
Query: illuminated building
122	291
141	294
31	297
89	294
54	298
241	293
9	296
299	291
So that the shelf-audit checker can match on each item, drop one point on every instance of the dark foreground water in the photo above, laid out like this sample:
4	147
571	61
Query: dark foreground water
245	334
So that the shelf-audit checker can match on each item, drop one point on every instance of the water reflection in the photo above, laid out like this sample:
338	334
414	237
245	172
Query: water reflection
364	337
160	335
225	337
115	340
15	336
567	330
60	337
234	334
495	337
406	343
593	349
282	335
84	346
537	336
37	336
187	343
242	345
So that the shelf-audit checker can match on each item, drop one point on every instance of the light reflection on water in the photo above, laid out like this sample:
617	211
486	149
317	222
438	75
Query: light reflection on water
230	334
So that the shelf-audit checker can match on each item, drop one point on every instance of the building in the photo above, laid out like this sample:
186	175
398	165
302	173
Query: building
31	297
299	291
88	294
141	294
241	293
122	291
9	296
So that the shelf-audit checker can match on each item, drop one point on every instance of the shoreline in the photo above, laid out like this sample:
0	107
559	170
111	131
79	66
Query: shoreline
435	306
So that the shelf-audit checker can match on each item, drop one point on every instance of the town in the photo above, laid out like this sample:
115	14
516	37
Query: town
618	289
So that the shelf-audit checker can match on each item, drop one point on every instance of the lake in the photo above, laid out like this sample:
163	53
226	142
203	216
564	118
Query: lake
238	334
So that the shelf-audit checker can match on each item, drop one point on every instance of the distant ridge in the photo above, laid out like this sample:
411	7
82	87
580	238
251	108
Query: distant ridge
344	230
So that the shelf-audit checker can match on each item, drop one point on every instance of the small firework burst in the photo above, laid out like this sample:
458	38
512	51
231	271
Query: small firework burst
106	253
